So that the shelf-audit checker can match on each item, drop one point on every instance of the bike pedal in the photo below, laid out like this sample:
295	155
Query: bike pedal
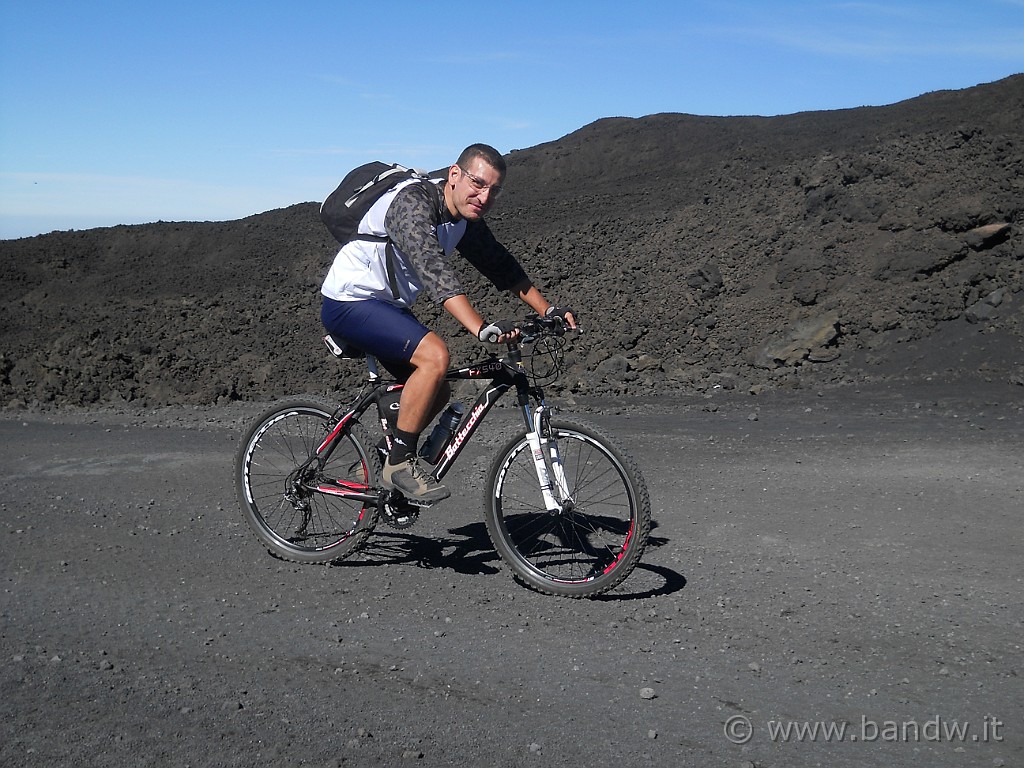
405	517
419	504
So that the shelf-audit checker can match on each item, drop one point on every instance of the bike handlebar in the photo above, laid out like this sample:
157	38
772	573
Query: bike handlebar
535	327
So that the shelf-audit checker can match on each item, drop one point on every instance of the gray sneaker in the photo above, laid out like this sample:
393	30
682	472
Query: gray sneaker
413	482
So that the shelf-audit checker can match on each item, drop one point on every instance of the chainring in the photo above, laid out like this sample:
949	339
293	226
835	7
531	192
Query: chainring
399	513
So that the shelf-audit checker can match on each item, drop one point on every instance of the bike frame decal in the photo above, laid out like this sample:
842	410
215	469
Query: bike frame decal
460	438
335	432
472	420
479	370
346	489
351	487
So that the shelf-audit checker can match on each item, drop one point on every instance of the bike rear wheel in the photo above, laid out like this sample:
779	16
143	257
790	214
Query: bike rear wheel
597	536
278	476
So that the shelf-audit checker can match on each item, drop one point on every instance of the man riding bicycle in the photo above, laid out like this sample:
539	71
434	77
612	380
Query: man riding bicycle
368	293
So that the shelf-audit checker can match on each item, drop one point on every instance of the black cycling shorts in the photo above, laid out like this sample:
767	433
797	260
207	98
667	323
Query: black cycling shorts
389	333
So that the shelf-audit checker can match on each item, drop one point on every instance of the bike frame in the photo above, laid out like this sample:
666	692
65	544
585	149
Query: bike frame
505	374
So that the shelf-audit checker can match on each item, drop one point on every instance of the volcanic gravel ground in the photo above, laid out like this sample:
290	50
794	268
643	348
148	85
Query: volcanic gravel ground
839	556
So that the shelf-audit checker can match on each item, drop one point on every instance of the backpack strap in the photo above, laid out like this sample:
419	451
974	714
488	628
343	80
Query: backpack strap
389	266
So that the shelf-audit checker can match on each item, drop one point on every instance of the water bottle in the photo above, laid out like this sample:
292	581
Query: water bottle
442	433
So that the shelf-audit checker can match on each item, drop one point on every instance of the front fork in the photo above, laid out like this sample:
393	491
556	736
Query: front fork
548	463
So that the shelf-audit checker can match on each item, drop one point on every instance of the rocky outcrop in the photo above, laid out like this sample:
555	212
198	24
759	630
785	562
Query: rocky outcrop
699	252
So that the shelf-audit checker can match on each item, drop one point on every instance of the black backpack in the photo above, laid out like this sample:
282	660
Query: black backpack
345	207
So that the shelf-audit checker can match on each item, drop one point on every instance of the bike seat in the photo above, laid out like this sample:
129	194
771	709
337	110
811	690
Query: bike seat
344	351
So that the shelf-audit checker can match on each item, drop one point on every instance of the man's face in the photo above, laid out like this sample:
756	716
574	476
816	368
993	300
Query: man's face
474	188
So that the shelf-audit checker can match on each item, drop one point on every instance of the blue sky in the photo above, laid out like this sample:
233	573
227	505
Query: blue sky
118	112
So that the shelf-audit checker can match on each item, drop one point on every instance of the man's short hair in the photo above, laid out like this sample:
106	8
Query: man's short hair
485	152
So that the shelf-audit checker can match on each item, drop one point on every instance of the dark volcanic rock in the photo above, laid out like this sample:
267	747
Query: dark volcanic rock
817	247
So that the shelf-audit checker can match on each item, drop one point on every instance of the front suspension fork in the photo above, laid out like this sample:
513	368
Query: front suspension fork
548	462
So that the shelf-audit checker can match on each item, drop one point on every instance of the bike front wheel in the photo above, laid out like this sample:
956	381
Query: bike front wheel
594	538
281	482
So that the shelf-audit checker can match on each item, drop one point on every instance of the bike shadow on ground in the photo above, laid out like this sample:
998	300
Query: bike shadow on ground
648	579
468	550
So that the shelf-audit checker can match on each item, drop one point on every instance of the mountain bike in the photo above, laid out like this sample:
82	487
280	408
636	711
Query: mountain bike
566	509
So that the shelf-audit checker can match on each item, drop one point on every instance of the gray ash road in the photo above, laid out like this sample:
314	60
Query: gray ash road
834	558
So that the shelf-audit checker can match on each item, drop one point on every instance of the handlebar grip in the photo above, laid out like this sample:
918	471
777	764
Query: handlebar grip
491	332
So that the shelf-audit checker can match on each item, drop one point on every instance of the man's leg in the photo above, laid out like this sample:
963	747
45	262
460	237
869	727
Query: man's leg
423	396
426	391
